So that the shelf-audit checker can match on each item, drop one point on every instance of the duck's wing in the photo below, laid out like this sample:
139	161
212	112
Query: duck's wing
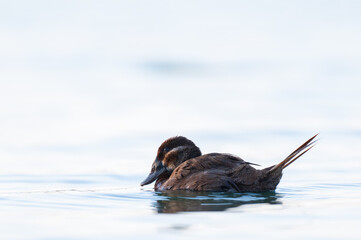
205	173
206	162
207	180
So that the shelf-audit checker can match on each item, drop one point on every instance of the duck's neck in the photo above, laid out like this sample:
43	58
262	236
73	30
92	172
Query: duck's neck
188	152
161	179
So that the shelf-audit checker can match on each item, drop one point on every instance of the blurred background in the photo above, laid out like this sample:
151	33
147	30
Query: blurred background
95	86
90	89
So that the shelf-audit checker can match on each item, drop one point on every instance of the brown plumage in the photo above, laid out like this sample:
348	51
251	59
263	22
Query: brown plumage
179	165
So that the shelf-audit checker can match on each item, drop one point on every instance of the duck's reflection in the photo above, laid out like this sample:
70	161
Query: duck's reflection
185	201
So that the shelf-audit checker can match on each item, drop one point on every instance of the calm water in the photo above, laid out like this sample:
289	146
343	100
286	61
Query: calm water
90	89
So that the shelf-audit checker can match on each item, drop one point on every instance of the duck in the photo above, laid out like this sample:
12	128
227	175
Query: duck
180	165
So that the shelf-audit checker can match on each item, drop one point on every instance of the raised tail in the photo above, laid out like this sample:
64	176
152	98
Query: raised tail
296	154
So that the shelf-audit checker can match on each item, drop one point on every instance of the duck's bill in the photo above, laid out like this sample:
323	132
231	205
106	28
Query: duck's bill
153	176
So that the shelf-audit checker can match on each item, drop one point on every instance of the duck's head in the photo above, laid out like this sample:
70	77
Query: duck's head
170	155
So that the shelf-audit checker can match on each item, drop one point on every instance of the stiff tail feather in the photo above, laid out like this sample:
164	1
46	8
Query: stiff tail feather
310	143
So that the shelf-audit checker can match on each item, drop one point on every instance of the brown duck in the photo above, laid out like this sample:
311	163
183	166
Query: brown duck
180	165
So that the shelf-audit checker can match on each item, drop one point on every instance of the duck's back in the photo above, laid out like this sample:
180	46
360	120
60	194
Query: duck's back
213	172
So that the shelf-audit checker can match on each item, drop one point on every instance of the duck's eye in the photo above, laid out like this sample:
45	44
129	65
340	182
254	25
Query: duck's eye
165	149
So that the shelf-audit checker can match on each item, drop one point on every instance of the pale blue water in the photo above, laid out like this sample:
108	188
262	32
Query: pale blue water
90	89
